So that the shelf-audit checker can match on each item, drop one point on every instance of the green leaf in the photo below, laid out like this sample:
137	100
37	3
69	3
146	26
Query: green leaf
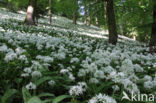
42	80
34	99
8	94
46	95
26	94
104	86
47	101
60	98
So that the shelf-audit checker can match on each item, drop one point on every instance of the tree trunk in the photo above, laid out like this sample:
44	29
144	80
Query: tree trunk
85	14
75	10
49	13
111	23
89	13
30	17
105	11
97	21
96	14
74	17
153	34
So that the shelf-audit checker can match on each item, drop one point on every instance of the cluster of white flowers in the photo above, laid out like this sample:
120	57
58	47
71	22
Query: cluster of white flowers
51	82
30	86
45	59
74	60
121	77
100	98
79	89
12	55
94	80
149	82
33	70
3	48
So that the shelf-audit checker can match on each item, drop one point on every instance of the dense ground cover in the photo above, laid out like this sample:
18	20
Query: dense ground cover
68	63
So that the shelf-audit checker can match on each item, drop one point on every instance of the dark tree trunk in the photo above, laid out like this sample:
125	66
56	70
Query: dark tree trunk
50	12
30	17
75	10
74	17
111	22
153	34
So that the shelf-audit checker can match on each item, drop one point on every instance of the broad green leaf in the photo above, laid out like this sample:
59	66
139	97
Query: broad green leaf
26	94
42	80
8	94
34	99
47	101
46	95
104	86
60	98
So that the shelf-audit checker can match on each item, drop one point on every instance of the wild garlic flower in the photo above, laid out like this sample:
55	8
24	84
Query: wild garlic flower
93	80
78	90
100	98
35	74
30	86
51	82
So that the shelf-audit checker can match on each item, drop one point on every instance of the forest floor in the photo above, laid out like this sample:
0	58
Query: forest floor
69	63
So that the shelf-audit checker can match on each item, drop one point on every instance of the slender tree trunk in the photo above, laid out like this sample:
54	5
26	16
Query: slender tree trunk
111	22
153	34
89	13
121	25
121	28
74	17
85	14
75	2
30	17
96	14
105	11
49	13
97	21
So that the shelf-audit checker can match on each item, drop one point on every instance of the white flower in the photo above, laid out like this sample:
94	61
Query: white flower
36	74
51	82
108	69
23	58
78	89
81	73
64	71
138	68
10	56
60	55
36	65
147	78
71	76
127	66
99	74
94	80
30	86
45	59
116	87
3	48
82	84
25	74
148	84
19	50
93	100
27	70
74	60
100	98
